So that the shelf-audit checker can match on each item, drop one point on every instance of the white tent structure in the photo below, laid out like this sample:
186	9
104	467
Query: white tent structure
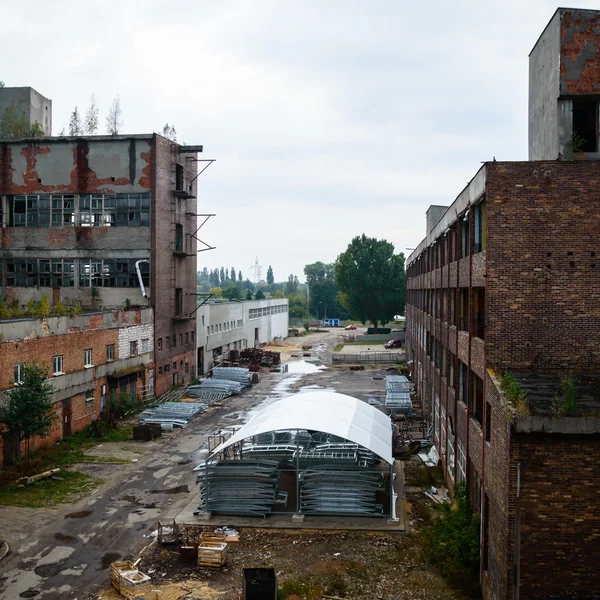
329	412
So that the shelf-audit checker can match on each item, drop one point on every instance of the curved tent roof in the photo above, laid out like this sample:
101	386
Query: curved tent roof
337	414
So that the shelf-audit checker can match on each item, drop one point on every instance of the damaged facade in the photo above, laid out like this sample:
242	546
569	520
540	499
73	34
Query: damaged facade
507	280
108	222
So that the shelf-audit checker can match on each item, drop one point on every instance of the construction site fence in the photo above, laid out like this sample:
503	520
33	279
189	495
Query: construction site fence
369	357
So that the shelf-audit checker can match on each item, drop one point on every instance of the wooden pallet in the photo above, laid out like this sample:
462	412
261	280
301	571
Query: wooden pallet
212	554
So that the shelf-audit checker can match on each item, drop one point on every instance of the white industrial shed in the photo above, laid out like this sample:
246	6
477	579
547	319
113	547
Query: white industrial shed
329	412
318	453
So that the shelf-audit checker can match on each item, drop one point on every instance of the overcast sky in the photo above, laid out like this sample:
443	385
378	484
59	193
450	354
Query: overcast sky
327	118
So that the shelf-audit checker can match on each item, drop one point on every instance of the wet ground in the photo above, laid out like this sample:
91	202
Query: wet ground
66	552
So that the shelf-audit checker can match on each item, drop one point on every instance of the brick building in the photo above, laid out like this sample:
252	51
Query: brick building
107	222
507	280
89	357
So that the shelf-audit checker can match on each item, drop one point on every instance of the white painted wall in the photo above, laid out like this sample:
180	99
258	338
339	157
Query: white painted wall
136	333
227	325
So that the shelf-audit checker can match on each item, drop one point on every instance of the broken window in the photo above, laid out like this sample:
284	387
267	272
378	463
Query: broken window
476	398
179	177
585	126
178	302
178	237
463	299
463	379
464	236
478	323
479	226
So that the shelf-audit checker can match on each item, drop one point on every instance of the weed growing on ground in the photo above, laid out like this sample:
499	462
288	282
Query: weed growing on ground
48	492
451	543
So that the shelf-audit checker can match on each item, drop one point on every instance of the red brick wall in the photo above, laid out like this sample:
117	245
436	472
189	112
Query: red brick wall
543	283
560	516
499	482
171	271
580	52
70	346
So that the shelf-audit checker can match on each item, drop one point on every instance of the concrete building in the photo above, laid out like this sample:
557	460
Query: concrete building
109	222
563	87
28	102
227	326
89	358
506	287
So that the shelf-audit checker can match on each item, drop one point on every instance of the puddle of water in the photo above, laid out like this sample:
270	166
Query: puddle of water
79	515
61	537
304	367
28	594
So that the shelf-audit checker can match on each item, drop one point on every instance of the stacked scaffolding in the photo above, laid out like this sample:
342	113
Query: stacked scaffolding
335	490
241	487
397	397
172	414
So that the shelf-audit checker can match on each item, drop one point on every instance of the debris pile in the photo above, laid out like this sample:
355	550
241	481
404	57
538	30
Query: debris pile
172	414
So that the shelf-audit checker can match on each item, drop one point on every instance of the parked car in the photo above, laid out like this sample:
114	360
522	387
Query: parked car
351	327
397	343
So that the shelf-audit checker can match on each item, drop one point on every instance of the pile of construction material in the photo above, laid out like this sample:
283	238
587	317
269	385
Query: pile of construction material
397	397
256	358
330	490
225	382
146	432
172	414
128	581
240	487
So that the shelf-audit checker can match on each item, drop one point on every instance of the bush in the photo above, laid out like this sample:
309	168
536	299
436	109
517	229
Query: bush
565	404
515	393
451	542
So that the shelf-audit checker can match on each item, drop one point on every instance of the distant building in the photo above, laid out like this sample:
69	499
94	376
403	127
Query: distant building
28	102
224	326
507	282
564	87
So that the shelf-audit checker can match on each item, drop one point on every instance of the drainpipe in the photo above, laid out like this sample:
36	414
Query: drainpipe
139	274
517	550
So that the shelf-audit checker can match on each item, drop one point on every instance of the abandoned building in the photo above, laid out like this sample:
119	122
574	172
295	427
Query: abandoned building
503	333
107	222
91	358
225	326
30	104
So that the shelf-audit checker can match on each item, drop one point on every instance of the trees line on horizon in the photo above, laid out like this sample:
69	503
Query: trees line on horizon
367	282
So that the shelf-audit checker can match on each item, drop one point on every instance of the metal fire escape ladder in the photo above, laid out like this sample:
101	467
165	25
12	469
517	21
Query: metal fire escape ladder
195	236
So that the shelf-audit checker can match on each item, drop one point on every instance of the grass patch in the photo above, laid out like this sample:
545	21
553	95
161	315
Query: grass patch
425	477
68	451
48	492
338	347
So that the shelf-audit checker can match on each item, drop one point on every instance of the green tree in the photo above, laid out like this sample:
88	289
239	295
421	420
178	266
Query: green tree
216	291
240	276
291	286
14	124
27	409
278	294
371	280
232	276
270	278
323	290
297	305
248	295
114	121
260	295
223	276
232	292
75	127
91	117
